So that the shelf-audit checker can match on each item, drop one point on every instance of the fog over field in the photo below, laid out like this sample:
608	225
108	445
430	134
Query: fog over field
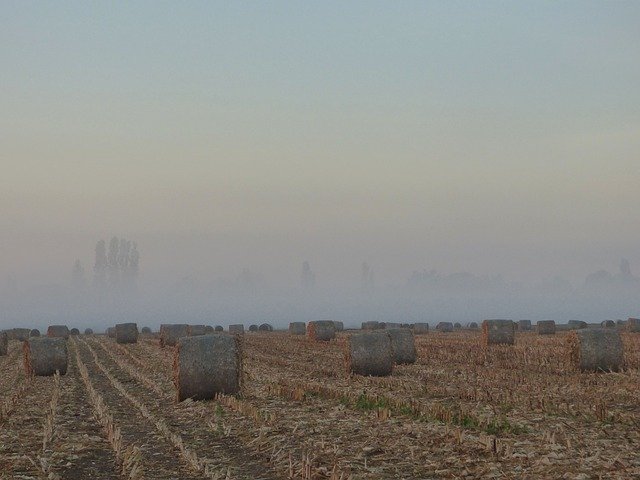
481	159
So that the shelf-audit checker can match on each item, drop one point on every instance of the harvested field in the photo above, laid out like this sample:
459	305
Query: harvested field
461	411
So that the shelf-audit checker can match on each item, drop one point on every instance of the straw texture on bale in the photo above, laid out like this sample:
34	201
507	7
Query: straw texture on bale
20	334
146	330
420	328
633	325
389	325
297	328
339	326
4	343
403	346
237	328
608	324
171	333
546	327
265	327
44	355
498	332
74	331
596	349
195	330
577	324
58	331
372	325
88	331
321	330
34	333
444	327
524	325
369	354
126	333
208	329
219	328
457	326
472	326
207	365
253	328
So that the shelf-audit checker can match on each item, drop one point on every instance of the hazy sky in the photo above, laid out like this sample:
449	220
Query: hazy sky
493	137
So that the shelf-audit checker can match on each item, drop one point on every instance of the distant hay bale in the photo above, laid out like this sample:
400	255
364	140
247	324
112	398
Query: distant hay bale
265	327
58	331
219	328
421	328
372	325
389	325
196	330
444	327
253	328
498	332
596	349
524	325
472	326
111	332
546	327
34	333
382	325
171	333
44	355
633	325
297	328
369	354
20	334
4	343
339	326
403	346
457	326
608	324
620	323
237	329
146	331
207	365
126	333
321	330
74	331
577	324
88	331
208	330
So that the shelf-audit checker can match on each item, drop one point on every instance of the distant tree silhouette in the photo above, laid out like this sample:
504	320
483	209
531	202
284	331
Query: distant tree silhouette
77	275
100	265
308	278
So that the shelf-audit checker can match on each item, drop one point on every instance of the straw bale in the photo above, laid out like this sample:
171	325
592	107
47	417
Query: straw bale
126	333
34	333
608	324
196	330
236	329
633	325
546	327
524	325
496	332
88	331
219	328
321	330
265	327
58	331
596	349
372	325
171	333
444	327
44	355
297	328
577	324
403	346
369	354
420	328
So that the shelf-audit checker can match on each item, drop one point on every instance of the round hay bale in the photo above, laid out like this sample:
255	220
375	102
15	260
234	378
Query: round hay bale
421	328
88	331
44	355
546	327
196	330
620	323
146	330
524	325
457	326
265	327
444	327
369	354
34	333
608	324
207	365
253	328
403	346
20	334
219	328
633	325
111	332
372	325
321	330
208	330
74	331
297	328
596	349
58	331
498	332
577	324
472	326
339	326
389	325
171	333
126	333
237	329
4	343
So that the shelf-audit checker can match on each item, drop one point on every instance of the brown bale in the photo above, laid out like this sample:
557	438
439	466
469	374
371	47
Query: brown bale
206	365
44	355
524	325
34	333
265	327
498	332
372	325
321	330
472	326
369	354
111	332
608	324
146	331
633	325
171	333
20	334
253	328
297	328
444	327
403	346
74	331
421	328
196	330
389	325
237	329
219	328
126	333
457	326
577	324
88	331
596	349
208	329
546	327
58	331
621	323
339	326
4	343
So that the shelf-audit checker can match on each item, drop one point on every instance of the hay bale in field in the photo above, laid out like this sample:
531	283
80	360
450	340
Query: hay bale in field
421	328
265	327
373	325
196	330
633	325
297	328
171	333
608	324
44	355
74	331
237	329
546	327
88	331
207	365
4	343
253	328
472	326
620	323
219	328
389	325
403	346
457	326
126	333
369	354
34	333
524	325
58	331
444	327
577	324
498	332
146	331
208	330
20	334
110	332
321	330
339	326
596	349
